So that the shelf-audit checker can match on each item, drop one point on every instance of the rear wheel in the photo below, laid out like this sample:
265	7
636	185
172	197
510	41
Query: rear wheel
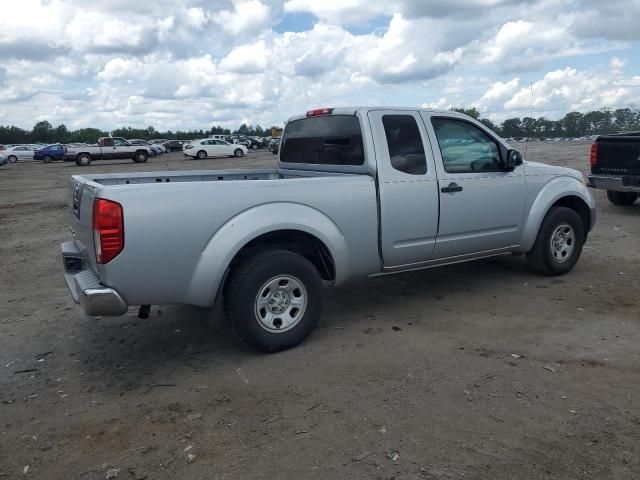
273	300
622	198
83	160
47	159
12	159
238	153
141	156
202	154
559	242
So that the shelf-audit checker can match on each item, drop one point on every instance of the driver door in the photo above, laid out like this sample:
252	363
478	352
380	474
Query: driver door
481	204
122	148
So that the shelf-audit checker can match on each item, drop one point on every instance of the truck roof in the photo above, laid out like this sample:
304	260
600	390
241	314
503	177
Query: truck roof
354	110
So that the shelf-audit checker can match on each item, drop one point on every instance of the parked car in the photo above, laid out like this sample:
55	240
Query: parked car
3	159
173	145
108	148
274	145
266	239
160	143
214	148
155	149
615	167
19	152
49	153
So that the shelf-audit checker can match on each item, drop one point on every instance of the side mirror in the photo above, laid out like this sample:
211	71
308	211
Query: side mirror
514	159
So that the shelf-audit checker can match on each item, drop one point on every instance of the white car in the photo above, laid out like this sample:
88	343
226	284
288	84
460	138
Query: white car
210	147
19	152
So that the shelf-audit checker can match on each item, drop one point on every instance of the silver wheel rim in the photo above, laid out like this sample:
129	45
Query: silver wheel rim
201	154
563	242
280	304
141	157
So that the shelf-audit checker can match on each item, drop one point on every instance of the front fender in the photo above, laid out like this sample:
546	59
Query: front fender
237	232
552	191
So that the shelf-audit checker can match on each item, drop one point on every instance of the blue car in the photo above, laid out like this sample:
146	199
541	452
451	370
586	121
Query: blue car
50	153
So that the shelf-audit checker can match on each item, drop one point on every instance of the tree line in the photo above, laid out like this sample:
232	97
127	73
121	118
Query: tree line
573	124
44	132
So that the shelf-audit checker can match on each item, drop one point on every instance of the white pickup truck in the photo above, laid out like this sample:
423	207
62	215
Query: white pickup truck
358	192
108	148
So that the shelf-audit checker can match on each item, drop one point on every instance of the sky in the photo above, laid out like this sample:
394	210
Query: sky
192	64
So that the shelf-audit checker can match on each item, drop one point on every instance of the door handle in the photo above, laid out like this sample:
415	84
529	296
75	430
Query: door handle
453	187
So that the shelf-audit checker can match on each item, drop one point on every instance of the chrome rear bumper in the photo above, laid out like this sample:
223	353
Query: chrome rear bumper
85	287
610	182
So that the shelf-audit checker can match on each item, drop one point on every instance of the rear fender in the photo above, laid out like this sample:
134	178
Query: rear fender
553	191
229	239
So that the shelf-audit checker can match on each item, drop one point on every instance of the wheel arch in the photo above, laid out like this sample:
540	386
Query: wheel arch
559	192
305	231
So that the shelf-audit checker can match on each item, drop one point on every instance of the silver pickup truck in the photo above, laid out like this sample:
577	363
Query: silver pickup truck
357	192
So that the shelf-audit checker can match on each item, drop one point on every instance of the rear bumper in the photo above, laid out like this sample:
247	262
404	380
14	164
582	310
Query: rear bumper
85	287
614	183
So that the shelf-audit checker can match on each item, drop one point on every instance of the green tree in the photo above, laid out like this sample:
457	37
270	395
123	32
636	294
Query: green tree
512	127
472	112
42	132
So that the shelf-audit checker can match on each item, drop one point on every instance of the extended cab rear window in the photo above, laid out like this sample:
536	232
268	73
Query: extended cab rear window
323	140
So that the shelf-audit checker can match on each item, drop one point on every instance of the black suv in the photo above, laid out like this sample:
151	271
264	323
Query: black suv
173	145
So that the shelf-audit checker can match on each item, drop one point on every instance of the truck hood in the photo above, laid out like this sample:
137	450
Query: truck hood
537	168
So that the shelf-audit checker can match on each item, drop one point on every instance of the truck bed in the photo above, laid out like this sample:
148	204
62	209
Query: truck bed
174	223
204	176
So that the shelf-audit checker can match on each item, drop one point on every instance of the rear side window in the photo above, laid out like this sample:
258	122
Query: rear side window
406	150
323	140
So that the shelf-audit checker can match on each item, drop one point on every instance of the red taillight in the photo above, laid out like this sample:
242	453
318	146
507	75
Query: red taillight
593	158
108	229
319	111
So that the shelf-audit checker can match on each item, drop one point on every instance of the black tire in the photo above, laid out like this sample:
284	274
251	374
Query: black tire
249	281
83	160
541	258
141	156
47	159
202	154
12	159
238	153
622	198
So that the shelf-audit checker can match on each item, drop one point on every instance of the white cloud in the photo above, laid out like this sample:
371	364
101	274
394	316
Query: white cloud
187	63
246	16
250	58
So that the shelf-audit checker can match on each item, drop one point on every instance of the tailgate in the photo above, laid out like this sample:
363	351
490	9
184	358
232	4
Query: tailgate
619	155
81	195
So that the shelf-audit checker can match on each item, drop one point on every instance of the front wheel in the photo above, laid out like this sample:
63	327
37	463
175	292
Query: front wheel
274	300
559	242
202	154
12	159
238	153
622	198
47	159
141	156
83	160
254	146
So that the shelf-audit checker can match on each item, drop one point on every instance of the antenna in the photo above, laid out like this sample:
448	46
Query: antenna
526	145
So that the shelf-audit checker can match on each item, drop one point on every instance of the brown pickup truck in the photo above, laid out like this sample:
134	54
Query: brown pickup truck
108	148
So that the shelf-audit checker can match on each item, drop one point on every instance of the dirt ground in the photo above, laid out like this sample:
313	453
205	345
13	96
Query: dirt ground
481	370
